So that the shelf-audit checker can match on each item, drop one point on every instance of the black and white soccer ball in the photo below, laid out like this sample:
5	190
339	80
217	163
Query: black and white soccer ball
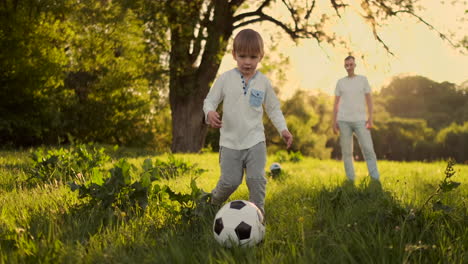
239	223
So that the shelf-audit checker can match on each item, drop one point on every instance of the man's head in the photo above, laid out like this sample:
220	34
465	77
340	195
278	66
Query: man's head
248	50
350	65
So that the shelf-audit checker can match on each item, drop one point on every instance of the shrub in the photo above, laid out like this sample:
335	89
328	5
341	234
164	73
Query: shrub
65	164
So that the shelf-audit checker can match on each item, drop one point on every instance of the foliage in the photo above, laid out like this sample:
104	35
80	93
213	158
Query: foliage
295	156
281	156
172	168
312	217
453	142
82	166
402	139
66	164
119	191
75	68
306	117
284	156
115	190
32	37
162	129
445	186
113	96
418	97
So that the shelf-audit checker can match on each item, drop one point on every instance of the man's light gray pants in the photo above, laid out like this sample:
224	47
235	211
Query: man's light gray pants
367	147
233	163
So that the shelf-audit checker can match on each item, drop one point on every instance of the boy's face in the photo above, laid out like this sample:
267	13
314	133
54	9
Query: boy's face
247	63
350	65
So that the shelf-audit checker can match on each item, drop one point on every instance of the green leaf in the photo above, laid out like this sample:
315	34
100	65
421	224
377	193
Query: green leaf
447	186
96	176
73	186
125	168
439	206
147	165
145	179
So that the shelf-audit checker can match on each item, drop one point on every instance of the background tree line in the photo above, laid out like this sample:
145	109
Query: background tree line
92	70
108	71
415	119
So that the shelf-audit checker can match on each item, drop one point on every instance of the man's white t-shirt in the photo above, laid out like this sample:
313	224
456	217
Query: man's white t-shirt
352	92
242	117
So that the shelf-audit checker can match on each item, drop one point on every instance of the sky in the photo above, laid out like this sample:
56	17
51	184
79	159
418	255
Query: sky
417	49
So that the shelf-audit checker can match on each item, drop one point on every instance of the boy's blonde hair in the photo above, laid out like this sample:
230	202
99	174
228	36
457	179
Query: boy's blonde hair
248	41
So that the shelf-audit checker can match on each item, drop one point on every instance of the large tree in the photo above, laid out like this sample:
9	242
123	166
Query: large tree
31	62
199	34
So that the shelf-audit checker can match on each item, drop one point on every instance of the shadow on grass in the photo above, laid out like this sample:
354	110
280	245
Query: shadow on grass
306	224
342	223
367	224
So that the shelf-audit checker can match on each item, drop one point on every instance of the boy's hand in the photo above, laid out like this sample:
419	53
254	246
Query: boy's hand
369	124
336	128
287	137
213	119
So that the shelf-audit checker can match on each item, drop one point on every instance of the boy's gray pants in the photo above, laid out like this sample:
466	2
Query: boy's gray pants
233	163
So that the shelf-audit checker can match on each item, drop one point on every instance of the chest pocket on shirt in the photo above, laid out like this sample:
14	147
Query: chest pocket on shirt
256	98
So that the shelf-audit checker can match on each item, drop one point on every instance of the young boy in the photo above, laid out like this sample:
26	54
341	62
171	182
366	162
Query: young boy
352	93
243	91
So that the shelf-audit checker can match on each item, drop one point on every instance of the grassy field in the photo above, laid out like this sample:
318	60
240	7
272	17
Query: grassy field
313	216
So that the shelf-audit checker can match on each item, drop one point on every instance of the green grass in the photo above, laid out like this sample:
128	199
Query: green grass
313	216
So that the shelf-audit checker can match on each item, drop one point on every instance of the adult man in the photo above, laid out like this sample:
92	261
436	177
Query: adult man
352	94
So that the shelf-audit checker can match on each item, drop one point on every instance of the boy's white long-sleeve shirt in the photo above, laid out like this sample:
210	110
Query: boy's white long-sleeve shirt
242	117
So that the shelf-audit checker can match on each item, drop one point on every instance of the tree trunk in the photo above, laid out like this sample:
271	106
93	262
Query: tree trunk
188	126
188	119
189	84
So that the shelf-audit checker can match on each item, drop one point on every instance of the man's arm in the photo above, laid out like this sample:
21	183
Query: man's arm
335	114
370	110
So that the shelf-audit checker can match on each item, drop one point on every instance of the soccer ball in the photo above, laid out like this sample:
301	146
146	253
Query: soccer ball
275	169
239	223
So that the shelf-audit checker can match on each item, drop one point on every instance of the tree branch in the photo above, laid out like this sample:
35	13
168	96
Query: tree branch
379	39
390	11
254	13
337	7
234	4
197	44
294	31
309	10
371	19
293	12
264	17
441	35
